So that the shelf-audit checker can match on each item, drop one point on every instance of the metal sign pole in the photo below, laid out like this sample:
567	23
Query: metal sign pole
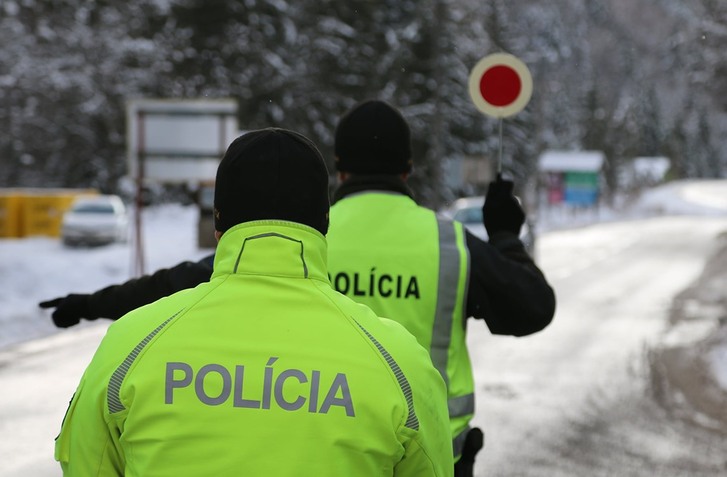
499	157
139	240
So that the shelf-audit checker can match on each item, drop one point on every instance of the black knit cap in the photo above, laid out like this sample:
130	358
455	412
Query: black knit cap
272	174
373	138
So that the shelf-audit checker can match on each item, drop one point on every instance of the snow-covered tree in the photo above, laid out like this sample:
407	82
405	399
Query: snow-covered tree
607	73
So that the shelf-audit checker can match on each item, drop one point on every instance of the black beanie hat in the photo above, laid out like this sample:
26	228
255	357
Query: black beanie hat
373	138
272	174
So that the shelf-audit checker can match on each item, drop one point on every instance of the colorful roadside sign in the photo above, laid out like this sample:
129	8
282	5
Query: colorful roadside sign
581	188
500	85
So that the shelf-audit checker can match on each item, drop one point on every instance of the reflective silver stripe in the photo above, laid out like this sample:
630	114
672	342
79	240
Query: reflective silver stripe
412	421
461	405
446	296
113	393
458	442
444	319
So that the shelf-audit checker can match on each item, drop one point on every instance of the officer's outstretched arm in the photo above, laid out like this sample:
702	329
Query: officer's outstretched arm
115	301
506	287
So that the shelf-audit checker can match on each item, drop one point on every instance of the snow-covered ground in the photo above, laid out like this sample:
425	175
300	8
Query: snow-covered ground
688	197
37	269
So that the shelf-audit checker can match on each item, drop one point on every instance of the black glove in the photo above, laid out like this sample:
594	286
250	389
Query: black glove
68	310
502	211
474	441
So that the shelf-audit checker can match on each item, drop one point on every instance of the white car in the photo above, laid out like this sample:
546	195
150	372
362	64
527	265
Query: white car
468	210
95	220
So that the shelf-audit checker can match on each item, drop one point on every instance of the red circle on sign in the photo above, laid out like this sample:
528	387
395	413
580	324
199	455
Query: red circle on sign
500	85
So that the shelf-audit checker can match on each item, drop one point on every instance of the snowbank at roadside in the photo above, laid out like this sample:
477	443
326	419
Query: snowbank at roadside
689	367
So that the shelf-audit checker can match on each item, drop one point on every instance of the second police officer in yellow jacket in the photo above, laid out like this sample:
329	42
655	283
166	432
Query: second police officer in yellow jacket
426	272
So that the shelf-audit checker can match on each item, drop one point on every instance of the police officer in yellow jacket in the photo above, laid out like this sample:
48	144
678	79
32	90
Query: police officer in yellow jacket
426	272
265	370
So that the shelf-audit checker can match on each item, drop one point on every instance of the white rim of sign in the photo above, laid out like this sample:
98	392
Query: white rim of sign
526	84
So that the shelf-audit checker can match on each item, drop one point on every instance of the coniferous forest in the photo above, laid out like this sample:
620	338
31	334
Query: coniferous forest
627	77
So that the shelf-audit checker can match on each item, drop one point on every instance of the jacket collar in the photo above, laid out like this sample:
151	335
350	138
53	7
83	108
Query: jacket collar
373	182
273	248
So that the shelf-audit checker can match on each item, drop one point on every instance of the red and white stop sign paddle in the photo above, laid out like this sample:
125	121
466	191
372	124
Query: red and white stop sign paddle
500	85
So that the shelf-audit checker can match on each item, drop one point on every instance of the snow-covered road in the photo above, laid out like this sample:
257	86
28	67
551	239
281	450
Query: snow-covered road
37	380
614	283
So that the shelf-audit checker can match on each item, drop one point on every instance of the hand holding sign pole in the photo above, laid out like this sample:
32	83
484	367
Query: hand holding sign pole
500	85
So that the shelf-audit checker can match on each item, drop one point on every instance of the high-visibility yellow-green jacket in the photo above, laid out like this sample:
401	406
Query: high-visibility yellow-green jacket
263	371
406	264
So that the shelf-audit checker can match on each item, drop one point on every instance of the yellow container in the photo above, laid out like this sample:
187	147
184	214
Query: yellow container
42	211
10	214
